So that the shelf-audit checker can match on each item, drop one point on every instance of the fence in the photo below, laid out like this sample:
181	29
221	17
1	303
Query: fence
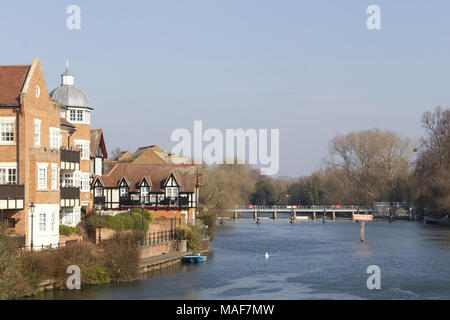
163	237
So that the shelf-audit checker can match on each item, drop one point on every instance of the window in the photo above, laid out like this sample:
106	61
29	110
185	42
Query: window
7	131
84	183
80	116
67	179
42	222
37	132
144	194
98	192
54	177
63	114
42	176
171	192
76	115
98	166
53	221
38	91
76	179
8	175
84	147
54	138
124	191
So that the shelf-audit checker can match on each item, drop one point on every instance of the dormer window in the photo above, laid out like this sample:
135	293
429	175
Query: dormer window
144	194
172	192
124	191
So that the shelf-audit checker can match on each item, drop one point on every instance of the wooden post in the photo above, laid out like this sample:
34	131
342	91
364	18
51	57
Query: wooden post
293	214
255	215
235	215
274	215
362	230
334	215
314	215
410	213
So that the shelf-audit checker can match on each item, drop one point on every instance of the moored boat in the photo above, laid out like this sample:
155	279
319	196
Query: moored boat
194	258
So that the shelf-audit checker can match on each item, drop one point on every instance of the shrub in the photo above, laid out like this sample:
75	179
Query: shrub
193	235
67	230
123	221
121	256
12	284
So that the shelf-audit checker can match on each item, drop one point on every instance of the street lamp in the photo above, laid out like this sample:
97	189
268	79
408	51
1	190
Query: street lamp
31	207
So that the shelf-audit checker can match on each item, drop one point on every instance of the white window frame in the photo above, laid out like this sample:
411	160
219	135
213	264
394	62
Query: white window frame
85	182
5	169
67	179
145	192
40	184
79	116
55	176
37	132
54	138
42	222
7	121
124	191
84	145
172	192
98	164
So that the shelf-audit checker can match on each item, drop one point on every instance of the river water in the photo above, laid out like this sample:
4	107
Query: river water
307	260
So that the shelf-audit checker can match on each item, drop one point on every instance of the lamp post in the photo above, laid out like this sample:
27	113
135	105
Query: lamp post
31	207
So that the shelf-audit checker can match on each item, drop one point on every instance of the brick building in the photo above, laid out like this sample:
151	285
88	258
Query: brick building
45	154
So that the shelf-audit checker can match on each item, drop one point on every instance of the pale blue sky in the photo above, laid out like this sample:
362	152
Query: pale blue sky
310	68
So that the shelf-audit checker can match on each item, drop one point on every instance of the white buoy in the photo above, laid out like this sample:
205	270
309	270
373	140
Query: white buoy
267	255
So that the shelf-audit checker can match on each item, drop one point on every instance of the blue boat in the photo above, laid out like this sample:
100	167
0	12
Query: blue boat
194	258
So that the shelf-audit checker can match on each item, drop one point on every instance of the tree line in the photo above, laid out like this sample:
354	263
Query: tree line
360	168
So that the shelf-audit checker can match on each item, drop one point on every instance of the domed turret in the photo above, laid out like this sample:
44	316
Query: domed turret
69	95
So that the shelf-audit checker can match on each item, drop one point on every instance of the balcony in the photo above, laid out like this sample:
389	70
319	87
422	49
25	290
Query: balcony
70	196
12	196
70	159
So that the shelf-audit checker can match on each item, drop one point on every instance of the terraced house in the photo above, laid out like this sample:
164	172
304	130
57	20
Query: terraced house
45	154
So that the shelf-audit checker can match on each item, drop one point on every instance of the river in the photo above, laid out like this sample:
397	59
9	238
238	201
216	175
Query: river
307	260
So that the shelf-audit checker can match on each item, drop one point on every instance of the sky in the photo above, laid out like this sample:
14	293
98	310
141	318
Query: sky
311	69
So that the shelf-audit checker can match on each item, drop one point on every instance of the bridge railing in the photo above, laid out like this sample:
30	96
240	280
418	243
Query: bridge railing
312	208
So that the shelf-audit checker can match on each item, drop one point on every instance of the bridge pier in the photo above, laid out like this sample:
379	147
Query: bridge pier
274	215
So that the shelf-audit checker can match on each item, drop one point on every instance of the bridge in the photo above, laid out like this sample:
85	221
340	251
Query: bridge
302	212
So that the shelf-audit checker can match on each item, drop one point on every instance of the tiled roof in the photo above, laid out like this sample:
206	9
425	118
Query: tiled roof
186	175
147	155
12	79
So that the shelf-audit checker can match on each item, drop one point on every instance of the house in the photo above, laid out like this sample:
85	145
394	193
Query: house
36	149
160	187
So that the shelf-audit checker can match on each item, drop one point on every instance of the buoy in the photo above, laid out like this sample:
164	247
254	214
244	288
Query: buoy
267	255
